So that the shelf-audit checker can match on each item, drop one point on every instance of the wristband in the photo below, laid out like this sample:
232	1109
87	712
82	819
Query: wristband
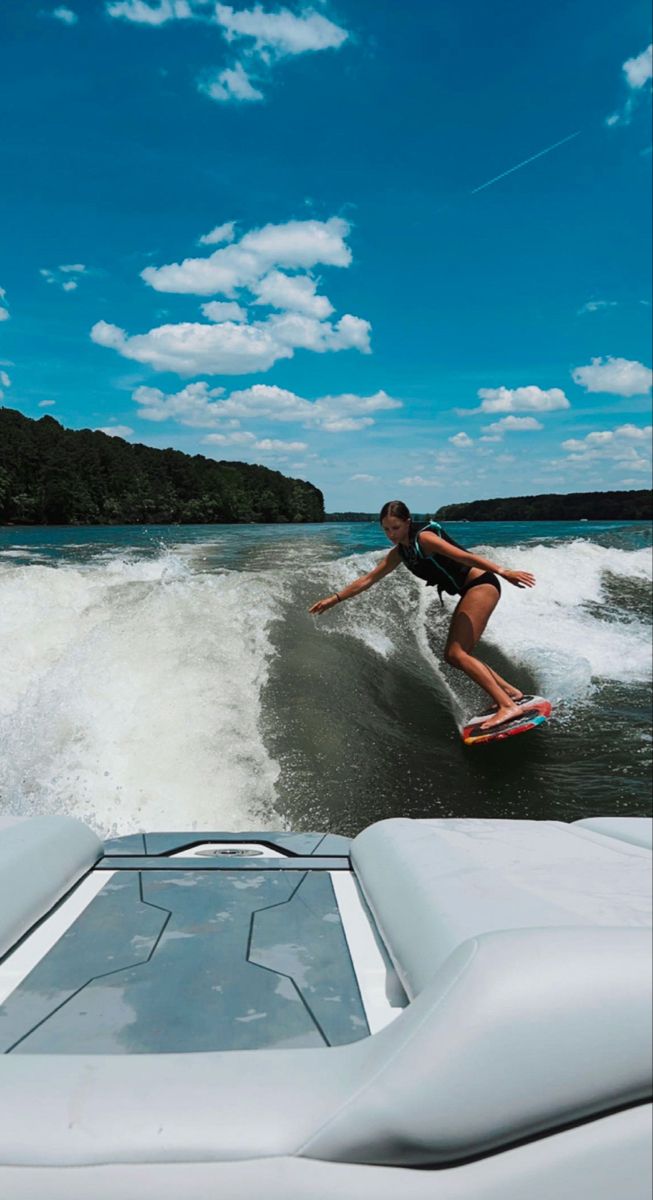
337	596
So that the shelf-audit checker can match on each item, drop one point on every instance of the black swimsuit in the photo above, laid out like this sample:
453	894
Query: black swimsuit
486	577
438	570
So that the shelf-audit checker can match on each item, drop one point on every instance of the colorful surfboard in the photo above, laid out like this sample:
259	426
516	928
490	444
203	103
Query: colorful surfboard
535	711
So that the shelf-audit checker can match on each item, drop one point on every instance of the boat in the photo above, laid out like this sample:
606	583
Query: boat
450	1009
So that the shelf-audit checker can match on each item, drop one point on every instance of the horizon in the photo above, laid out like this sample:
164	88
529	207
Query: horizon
372	515
372	250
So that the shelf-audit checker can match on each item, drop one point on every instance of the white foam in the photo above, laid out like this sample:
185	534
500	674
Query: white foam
563	630
374	618
130	694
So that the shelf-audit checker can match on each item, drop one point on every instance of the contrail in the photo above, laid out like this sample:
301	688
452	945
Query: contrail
525	162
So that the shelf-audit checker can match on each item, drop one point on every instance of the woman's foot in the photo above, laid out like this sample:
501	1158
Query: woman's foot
504	713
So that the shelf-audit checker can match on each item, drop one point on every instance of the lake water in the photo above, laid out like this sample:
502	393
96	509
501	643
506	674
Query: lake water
170	677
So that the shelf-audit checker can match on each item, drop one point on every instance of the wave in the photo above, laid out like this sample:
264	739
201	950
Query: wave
162	690
130	694
584	622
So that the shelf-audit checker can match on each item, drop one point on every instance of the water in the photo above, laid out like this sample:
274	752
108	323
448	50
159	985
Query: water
171	677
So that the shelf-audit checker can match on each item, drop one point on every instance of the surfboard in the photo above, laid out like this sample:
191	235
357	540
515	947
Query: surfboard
535	711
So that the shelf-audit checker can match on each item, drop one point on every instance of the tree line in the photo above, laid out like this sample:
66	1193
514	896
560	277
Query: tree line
577	506
363	516
55	476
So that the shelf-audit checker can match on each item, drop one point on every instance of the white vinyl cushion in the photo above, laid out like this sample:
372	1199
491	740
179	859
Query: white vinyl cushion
40	860
431	885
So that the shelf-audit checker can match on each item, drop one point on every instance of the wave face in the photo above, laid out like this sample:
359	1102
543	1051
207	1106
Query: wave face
176	680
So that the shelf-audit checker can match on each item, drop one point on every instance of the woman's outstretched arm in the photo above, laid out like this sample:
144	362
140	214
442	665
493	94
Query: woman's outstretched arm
432	544
384	568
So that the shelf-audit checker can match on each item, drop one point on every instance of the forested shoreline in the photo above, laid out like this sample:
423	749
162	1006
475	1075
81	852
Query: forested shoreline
55	476
577	506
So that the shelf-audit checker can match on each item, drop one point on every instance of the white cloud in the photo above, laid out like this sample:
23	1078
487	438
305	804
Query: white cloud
629	445
221	233
268	37
4	379
346	424
233	83
363	478
521	399
200	406
282	32
295	292
121	431
46	403
294	245
275	446
248	269
194	405
268	447
232	349
65	15
462	440
419	481
299	332
193	348
593	306
4	315
55	276
224	310
443	458
639	70
228	439
270	34
513	425
141	13
614	376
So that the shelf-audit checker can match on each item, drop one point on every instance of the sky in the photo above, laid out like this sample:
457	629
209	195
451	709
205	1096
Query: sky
401	252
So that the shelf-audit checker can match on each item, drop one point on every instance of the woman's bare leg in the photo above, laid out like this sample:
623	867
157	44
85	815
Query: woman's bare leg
515	693
467	625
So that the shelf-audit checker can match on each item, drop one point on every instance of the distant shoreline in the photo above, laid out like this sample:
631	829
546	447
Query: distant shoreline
575	506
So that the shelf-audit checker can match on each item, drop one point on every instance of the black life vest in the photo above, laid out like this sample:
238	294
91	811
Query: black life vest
437	570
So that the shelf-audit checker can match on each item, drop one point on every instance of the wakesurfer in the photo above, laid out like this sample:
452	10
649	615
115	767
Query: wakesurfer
429	553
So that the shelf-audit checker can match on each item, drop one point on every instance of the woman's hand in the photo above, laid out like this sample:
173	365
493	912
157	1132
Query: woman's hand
519	579
322	605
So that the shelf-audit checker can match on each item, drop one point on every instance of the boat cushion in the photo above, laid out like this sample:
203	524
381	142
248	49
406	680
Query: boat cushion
40	860
519	1033
638	830
433	884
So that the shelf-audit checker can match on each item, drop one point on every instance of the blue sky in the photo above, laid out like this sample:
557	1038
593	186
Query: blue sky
400	253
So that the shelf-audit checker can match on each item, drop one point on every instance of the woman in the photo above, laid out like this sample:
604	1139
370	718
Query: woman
432	556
